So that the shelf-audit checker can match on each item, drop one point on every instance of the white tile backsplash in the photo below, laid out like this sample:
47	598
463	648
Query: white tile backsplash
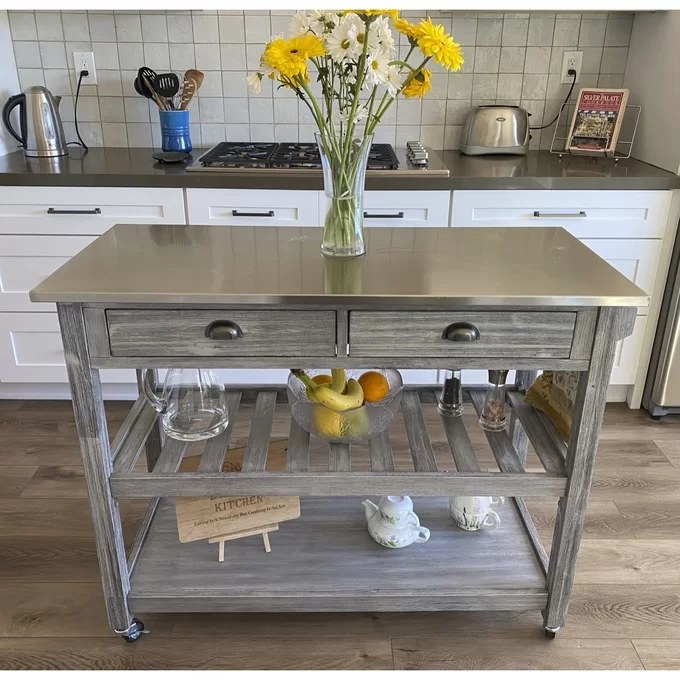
512	58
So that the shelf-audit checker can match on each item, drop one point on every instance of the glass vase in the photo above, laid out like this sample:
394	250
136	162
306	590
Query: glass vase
344	174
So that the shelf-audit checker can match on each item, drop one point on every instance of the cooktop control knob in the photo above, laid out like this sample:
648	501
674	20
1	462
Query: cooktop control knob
416	153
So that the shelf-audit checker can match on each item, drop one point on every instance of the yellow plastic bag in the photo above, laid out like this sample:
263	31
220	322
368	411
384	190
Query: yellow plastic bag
554	393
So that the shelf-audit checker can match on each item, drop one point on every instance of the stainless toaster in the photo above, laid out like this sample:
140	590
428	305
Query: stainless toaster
495	129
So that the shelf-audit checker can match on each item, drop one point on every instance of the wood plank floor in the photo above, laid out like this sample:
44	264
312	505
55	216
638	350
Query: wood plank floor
624	613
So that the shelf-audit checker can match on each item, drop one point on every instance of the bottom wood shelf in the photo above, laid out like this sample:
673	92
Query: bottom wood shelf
326	561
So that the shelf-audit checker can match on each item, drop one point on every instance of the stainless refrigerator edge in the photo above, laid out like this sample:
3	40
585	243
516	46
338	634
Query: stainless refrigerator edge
662	388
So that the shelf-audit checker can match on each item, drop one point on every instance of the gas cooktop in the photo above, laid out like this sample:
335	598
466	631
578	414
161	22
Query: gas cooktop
302	157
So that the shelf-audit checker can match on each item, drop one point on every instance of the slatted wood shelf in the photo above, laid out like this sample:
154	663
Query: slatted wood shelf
461	474
326	561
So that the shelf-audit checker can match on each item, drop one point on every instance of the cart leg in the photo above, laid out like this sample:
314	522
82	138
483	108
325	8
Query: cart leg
613	324
90	418
520	441
154	442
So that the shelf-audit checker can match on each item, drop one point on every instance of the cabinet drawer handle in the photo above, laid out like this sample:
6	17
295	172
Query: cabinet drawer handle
238	213
384	216
580	213
223	330
461	331
91	211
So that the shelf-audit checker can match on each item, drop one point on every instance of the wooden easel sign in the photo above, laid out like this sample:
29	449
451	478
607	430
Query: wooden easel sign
217	517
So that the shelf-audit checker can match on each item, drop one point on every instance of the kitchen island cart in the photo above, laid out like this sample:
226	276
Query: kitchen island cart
524	299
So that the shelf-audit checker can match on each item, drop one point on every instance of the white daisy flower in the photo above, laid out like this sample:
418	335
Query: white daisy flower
359	114
300	24
377	68
323	22
341	42
393	81
254	81
383	35
357	33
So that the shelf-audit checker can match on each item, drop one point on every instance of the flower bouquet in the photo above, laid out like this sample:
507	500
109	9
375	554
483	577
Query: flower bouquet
354	57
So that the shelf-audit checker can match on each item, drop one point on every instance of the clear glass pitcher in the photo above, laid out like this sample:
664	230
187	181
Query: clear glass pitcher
192	403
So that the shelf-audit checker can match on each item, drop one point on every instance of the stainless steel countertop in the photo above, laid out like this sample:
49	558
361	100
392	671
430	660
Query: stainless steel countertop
435	268
120	167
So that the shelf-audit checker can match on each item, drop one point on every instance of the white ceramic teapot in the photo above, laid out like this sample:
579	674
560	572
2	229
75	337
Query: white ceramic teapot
392	522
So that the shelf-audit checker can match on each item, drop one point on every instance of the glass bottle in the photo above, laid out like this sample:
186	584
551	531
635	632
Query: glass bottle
450	402
493	412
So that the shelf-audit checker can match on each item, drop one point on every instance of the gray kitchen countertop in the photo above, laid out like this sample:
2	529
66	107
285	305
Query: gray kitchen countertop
122	167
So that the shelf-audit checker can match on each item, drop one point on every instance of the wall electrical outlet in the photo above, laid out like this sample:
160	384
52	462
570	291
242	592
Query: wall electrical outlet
571	60
84	61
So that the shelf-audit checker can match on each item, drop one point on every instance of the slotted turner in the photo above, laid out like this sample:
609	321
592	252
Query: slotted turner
166	84
188	91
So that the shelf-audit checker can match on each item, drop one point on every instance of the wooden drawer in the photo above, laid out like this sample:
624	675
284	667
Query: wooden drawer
92	210
25	261
585	214
501	334
253	207
263	333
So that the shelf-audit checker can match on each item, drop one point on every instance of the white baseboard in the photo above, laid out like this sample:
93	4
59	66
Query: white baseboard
617	393
113	392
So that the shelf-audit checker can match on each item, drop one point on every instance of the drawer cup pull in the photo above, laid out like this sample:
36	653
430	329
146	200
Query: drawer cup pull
238	213
384	216
92	211
580	213
461	331
223	330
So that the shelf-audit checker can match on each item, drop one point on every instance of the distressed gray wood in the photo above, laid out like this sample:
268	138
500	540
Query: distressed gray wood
354	361
535	428
461	446
298	448
613	324
520	441
558	443
380	452
126	427
171	456
416	431
502	334
182	333
501	446
131	447
145	485
142	533
584	334
215	450
255	455
339	457
97	332
342	332
90	419
532	533
455	569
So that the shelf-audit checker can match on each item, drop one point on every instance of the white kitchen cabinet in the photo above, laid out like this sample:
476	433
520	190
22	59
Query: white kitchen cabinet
401	208
585	214
31	351
252	207
86	210
28	259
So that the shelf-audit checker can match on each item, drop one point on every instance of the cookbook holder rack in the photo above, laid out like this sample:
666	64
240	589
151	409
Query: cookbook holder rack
559	144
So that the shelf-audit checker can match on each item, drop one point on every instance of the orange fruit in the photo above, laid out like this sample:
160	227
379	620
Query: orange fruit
374	385
322	379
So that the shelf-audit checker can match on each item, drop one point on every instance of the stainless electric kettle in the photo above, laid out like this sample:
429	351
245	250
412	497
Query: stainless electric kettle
41	132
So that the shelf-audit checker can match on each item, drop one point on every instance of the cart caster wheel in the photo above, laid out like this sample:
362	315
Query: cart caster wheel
550	633
135	631
656	418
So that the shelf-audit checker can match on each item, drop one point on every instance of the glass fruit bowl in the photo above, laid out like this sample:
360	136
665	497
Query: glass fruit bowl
351	426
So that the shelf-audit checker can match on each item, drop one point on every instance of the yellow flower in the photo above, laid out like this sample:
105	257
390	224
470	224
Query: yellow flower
435	42
418	85
406	28
289	57
392	13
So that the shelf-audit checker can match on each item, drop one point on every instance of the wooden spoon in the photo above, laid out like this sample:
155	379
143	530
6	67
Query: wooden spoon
196	75
188	91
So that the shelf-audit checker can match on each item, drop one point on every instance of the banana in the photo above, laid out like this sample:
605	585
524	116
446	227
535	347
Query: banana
328	397
339	380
